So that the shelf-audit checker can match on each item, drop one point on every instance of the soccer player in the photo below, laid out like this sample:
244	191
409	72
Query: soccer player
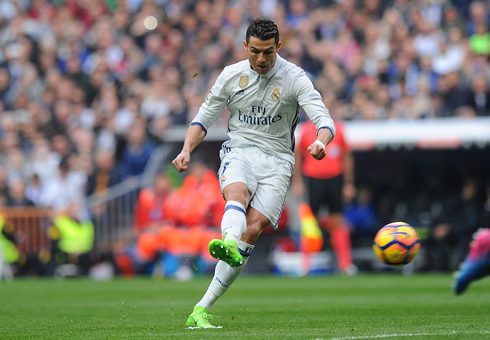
477	263
263	95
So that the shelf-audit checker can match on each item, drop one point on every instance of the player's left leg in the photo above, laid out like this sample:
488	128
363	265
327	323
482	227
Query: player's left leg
477	263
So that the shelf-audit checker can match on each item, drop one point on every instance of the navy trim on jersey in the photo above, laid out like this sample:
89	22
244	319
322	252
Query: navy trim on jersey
293	128
225	148
224	168
202	127
228	122
325	127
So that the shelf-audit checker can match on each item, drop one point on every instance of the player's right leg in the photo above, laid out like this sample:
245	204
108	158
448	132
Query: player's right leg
238	184
233	225
227	251
477	263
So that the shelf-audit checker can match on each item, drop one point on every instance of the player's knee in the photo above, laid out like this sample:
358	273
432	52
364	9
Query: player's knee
237	192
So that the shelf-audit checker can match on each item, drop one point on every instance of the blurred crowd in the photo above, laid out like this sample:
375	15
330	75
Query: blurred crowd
89	88
92	83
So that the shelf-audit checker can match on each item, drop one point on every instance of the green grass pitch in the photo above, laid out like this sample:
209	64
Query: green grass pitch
371	306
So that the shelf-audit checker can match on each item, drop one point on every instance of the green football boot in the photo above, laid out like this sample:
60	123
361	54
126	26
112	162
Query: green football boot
200	318
226	251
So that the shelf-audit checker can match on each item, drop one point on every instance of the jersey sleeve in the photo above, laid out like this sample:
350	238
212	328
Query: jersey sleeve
213	105
311	101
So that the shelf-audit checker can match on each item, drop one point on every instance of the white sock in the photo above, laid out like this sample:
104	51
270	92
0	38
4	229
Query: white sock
234	221
245	248
207	300
224	276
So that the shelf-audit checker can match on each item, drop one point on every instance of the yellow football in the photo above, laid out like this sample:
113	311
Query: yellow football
396	244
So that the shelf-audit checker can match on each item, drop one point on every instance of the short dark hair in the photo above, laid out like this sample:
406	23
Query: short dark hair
263	29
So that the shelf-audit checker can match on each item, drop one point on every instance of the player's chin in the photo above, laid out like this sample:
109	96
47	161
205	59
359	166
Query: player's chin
262	69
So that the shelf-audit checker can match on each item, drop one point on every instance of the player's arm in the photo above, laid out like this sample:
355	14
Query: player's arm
208	114
317	148
311	101
195	135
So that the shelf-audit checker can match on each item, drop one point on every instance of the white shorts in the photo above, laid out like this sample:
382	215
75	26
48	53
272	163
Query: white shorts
266	176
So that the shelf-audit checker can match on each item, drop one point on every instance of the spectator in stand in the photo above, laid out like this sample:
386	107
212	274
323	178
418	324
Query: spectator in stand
34	191
72	243
198	202
478	97
478	15
8	246
55	193
105	174
16	165
72	238
17	195
3	186
137	150
453	52
5	87
360	214
44	162
451	235
152	207
451	93
178	224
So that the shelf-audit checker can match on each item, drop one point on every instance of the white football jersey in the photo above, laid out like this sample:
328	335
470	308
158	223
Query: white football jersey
264	108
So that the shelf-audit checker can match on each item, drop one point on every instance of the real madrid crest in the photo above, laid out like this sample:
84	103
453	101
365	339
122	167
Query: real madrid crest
223	179
276	95
243	82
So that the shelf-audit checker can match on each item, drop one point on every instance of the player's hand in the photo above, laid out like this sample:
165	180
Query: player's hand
181	162
316	151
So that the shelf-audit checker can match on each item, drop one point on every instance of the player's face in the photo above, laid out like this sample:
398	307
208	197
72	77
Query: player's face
261	54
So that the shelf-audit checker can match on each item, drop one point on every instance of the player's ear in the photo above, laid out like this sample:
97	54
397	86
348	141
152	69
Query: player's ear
279	45
245	44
